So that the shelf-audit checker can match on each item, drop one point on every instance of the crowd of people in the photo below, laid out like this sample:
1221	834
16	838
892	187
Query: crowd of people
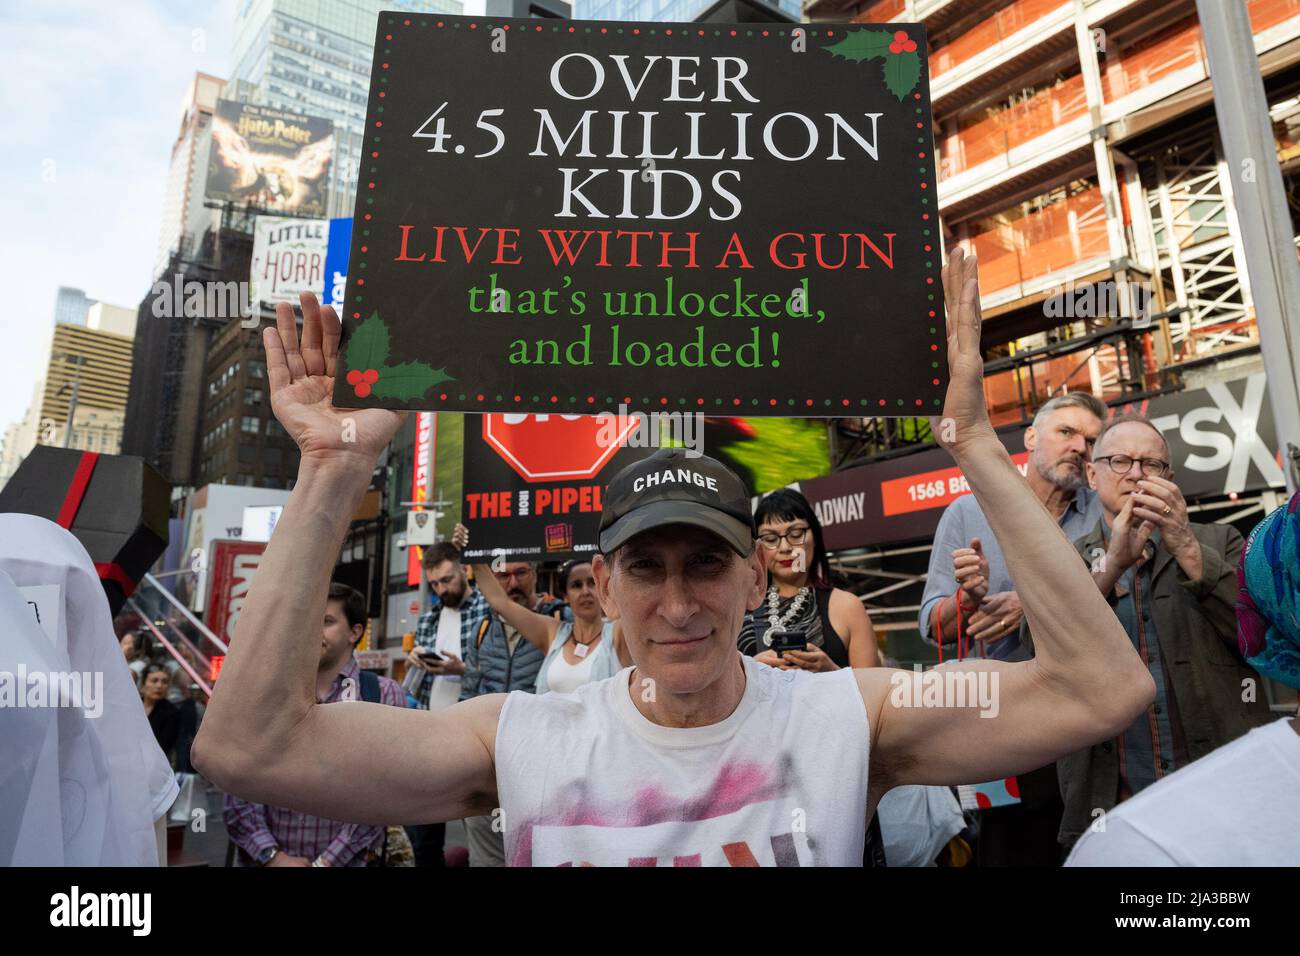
700	692
1170	582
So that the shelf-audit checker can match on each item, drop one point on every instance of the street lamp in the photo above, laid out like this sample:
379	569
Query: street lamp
80	361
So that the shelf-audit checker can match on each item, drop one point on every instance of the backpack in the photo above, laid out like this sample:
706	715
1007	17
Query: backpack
369	688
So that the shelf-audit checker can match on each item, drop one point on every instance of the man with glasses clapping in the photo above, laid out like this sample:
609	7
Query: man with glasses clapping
1173	586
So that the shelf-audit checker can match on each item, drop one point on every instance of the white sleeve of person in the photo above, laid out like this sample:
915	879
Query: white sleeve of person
110	780
916	823
1236	806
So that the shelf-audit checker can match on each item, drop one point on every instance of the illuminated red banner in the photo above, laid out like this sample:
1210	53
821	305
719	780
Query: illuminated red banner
421	479
231	572
930	489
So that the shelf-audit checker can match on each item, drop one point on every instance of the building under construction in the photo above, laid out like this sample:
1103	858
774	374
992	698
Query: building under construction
1080	160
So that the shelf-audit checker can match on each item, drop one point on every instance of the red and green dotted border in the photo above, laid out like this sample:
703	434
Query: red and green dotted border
698	402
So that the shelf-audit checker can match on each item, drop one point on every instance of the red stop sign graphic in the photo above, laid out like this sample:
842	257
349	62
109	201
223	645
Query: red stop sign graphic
557	447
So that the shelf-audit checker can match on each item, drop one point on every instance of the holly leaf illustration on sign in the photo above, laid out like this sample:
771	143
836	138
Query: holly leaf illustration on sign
902	70
902	62
408	380
367	351
368	346
862	45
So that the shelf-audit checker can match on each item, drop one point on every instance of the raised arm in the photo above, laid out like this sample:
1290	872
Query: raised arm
1086	682
264	737
538	629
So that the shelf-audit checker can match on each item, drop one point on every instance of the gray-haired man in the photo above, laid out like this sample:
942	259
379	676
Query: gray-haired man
967	565
969	574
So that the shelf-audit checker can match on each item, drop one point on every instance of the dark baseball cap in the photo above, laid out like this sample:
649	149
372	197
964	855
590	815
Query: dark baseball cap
671	487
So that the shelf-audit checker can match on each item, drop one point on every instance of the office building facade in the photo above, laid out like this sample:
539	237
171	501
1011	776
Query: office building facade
1142	217
184	216
314	57
20	437
71	306
241	442
1079	157
92	368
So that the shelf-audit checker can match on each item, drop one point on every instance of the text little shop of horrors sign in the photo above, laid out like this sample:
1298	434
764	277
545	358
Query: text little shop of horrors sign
568	216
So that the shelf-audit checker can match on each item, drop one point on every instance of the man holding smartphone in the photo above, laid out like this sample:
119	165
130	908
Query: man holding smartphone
442	632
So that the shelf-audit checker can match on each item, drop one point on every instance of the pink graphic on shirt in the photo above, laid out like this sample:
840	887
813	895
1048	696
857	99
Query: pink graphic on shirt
738	784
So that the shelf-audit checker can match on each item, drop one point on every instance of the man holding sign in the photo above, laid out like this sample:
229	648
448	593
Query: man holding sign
694	755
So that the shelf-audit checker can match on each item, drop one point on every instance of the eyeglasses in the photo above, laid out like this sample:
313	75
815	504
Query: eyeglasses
519	574
1122	464
771	540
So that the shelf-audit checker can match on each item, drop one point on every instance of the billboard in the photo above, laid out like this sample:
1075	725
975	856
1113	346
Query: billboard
426	431
270	159
288	258
1221	442
234	564
217	511
533	483
769	453
336	263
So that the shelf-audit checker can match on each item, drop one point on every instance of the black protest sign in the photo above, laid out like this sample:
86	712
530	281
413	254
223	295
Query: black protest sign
533	484
569	216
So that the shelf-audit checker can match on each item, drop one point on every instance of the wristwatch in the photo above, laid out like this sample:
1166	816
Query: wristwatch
267	855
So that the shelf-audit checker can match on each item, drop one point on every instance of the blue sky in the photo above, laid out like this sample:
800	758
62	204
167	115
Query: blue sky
90	103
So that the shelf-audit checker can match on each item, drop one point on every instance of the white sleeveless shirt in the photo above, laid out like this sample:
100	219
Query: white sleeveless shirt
563	677
584	779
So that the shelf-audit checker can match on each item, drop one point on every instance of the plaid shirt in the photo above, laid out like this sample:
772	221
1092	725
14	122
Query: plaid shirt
472	612
255	827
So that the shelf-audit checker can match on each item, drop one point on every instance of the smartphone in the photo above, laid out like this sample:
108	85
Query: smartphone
431	657
783	641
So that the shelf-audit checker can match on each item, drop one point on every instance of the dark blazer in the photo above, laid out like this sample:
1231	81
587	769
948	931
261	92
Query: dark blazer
1196	625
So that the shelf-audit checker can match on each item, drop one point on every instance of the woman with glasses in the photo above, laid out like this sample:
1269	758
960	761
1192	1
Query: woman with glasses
800	597
837	630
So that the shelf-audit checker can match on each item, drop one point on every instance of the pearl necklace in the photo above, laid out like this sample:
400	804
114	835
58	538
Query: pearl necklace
780	623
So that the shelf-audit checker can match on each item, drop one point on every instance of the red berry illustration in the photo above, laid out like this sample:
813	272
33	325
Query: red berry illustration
902	43
361	381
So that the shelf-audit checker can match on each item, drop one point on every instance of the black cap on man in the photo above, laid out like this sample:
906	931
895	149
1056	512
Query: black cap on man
672	487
